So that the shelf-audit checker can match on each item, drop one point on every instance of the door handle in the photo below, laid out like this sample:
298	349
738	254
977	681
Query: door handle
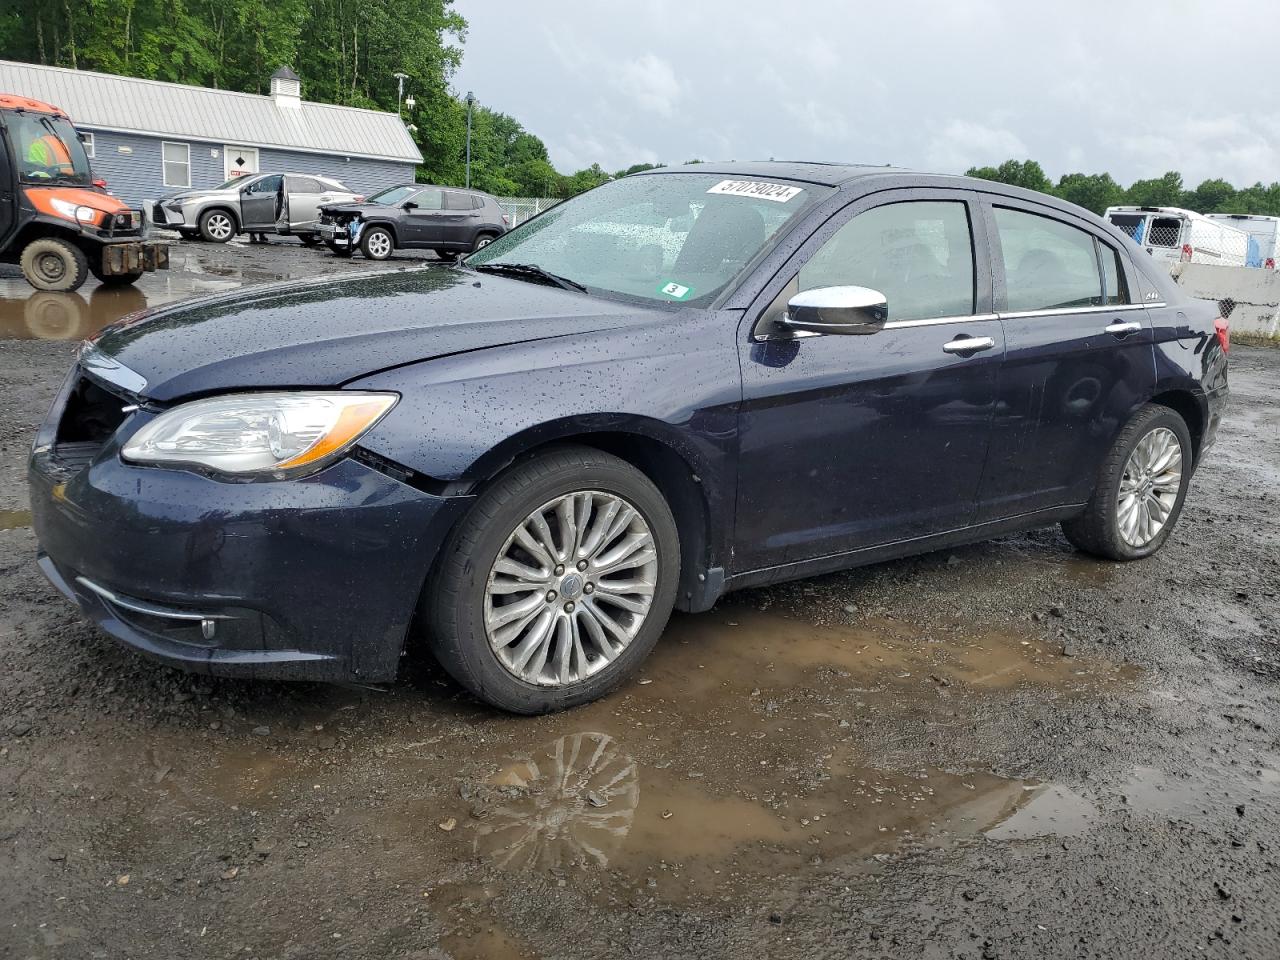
968	345
1122	328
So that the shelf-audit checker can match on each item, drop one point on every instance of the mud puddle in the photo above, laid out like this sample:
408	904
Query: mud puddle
27	314
15	519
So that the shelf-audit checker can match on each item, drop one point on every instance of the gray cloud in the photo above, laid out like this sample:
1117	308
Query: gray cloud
1133	88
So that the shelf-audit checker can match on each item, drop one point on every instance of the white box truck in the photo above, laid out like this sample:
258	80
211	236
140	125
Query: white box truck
1264	252
1177	235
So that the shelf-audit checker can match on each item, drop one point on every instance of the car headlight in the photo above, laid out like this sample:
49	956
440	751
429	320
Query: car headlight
265	435
78	213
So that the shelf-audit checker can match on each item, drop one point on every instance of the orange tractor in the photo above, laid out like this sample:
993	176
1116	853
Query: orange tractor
55	220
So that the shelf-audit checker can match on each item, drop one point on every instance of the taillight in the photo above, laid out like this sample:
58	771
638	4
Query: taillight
358	198
506	220
100	184
1271	263
1186	252
1222	327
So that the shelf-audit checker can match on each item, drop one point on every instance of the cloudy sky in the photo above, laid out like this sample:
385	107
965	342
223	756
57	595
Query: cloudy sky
1133	87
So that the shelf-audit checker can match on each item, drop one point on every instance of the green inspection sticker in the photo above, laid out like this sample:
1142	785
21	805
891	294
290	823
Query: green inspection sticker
676	291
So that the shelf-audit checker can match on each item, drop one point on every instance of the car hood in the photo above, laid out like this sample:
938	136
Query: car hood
327	333
202	195
352	208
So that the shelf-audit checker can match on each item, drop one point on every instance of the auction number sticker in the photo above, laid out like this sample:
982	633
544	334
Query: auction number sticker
676	291
777	192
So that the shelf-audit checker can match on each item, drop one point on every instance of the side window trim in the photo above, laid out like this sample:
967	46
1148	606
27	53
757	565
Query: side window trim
787	274
1000	303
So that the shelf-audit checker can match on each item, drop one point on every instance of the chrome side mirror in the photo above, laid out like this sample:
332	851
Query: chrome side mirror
837	310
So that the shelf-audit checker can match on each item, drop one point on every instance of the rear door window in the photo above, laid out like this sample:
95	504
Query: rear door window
456	201
1048	265
1165	232
430	199
919	254
304	185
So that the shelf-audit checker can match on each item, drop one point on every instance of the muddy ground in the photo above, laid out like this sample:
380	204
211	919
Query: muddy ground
1006	750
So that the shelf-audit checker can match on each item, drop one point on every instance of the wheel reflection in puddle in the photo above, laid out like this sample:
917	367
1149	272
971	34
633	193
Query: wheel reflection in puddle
571	804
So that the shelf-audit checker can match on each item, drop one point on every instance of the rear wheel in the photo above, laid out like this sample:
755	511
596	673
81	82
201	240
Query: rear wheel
338	251
51	263
483	241
217	226
377	243
557	584
1141	487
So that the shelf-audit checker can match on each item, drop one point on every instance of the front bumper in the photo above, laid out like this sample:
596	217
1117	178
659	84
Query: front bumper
163	216
312	579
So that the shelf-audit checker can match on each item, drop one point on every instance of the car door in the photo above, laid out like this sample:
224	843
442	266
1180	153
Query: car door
1078	356
458	219
258	203
853	441
420	223
302	202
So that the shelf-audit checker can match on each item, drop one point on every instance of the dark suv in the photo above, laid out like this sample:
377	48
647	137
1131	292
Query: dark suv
413	216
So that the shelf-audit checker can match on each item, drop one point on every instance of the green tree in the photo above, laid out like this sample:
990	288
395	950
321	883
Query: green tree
1093	191
1020	173
1212	196
1163	191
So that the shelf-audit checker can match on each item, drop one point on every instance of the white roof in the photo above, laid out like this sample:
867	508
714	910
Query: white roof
130	105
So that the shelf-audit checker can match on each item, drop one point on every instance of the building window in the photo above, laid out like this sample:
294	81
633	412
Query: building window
87	140
177	164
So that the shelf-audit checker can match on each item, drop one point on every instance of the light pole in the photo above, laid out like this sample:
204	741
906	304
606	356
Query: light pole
471	99
400	79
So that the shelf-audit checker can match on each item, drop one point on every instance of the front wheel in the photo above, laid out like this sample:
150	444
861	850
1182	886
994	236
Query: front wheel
338	251
377	243
217	226
1141	487
308	239
557	584
51	263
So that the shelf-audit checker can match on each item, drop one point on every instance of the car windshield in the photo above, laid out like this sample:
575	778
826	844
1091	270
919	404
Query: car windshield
667	238
48	149
393	195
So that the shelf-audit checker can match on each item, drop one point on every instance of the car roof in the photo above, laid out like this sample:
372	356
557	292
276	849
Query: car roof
807	171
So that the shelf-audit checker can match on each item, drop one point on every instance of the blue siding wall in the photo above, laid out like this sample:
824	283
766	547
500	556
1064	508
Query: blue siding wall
131	165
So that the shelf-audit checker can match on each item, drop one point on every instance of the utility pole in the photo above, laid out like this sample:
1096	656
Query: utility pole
400	79
471	99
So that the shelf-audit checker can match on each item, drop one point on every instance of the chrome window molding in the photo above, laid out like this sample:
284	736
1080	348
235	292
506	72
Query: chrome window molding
1113	308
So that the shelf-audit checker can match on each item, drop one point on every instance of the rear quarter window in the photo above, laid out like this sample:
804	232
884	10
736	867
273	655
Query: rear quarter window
1164	232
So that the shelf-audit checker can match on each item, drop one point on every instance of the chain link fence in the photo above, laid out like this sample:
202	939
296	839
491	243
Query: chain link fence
520	209
1187	237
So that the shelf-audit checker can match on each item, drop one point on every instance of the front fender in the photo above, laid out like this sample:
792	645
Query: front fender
464	416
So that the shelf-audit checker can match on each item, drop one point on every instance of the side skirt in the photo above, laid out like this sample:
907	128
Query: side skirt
899	548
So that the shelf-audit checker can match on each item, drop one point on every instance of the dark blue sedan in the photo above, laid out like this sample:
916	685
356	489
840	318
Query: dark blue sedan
683	383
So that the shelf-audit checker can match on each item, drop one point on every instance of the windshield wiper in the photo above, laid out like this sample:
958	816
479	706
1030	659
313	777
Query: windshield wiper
531	272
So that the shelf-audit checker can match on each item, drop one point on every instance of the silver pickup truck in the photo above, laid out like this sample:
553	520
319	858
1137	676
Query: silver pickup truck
252	204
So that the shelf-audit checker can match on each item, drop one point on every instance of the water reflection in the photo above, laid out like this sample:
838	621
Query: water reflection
572	803
27	314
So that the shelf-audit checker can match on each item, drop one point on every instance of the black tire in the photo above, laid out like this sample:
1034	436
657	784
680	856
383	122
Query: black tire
483	240
1097	530
377	243
51	263
190	236
308	239
452	604
218	226
338	251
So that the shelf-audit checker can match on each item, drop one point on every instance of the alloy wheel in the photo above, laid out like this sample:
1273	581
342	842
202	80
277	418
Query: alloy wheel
1149	487
379	245
570	588
219	226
